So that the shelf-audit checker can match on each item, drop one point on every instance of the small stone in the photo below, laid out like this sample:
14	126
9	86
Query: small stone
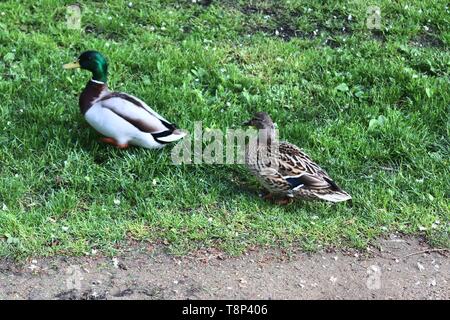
115	262
375	268
33	267
420	266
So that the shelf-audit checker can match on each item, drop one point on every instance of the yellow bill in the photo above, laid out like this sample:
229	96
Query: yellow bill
72	65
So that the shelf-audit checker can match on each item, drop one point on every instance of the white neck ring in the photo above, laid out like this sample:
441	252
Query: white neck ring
96	81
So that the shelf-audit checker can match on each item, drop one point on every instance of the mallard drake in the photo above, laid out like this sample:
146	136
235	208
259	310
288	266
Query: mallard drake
122	118
285	170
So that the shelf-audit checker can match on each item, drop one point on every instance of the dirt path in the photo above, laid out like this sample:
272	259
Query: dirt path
386	274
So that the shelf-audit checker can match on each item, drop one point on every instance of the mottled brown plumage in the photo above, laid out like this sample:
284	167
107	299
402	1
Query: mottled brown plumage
285	170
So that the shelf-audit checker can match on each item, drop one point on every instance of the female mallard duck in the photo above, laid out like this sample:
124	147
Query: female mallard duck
122	118
285	170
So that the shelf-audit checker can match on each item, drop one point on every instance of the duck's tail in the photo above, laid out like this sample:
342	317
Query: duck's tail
334	196
173	136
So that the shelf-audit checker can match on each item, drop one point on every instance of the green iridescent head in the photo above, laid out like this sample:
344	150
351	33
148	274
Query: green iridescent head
93	61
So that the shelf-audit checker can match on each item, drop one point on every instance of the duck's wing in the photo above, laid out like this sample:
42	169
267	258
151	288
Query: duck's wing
140	115
300	171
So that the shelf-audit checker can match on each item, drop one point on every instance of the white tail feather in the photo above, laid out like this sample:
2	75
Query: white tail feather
337	196
176	135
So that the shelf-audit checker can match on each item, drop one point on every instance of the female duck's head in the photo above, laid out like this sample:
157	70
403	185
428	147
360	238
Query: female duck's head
93	61
265	126
261	120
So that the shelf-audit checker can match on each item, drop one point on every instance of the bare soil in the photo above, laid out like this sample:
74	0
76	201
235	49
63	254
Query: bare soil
396	267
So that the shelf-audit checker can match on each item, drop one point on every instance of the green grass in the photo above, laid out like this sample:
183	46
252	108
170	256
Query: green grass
372	107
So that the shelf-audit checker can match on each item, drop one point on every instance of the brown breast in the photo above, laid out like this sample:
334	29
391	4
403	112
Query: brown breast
91	92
